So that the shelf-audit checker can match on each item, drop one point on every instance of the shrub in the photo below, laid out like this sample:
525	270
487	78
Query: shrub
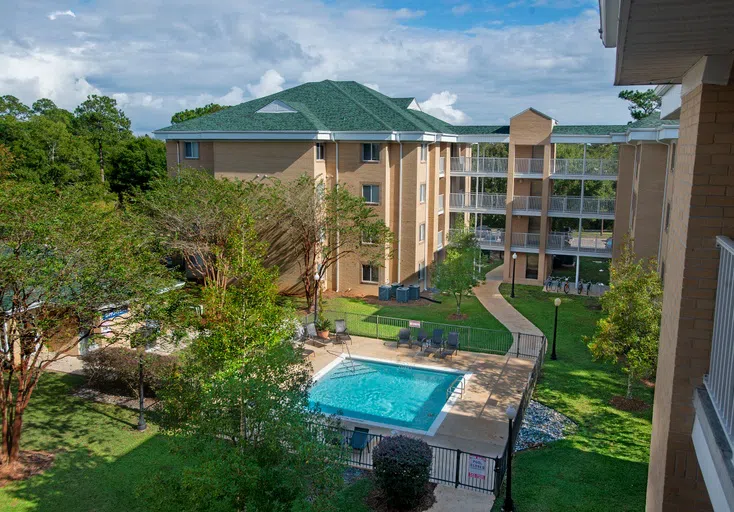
402	469
115	369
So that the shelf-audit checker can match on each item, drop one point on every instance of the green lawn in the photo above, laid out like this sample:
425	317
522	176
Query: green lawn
100	459
603	465
591	269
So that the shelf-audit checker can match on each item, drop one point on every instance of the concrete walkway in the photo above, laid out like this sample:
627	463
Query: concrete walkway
449	499
493	301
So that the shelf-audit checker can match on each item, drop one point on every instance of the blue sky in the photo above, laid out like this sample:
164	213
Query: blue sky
477	62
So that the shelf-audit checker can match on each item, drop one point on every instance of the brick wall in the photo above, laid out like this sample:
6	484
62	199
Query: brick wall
702	206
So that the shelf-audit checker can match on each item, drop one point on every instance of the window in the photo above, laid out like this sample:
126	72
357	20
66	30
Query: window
667	217
320	151
370	274
531	268
422	193
424	152
371	194
191	150
422	232
370	152
439	240
368	238
422	271
674	147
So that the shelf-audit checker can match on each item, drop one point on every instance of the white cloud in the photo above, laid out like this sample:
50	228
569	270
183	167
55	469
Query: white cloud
57	14
270	83
441	105
407	14
461	9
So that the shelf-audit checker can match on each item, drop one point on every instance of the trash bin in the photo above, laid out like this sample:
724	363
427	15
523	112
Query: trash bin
402	294
384	292
415	292
395	286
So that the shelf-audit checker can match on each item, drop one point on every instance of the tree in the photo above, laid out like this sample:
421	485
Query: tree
185	115
643	103
318	226
628	334
67	255
6	161
103	124
458	273
136	164
12	106
47	108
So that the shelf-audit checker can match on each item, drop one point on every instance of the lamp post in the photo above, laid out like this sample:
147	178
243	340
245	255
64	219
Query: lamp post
557	303
141	416
317	278
514	262
509	506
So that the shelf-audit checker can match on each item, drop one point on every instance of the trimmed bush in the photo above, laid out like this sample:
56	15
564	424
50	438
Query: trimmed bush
402	469
115	370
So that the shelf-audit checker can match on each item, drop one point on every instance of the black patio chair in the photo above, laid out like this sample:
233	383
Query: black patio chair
341	335
404	337
452	344
360	440
436	342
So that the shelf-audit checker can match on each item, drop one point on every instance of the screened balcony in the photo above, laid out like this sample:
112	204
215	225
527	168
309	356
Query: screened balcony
572	244
479	166
529	167
575	206
527	205
478	202
489	239
586	168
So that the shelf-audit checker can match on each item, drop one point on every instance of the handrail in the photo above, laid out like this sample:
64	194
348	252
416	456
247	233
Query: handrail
460	385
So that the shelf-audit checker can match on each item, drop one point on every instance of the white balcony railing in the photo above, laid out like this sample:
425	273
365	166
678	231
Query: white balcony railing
720	377
478	201
442	167
485	236
439	240
480	165
573	205
441	201
566	242
531	166
527	203
526	240
590	167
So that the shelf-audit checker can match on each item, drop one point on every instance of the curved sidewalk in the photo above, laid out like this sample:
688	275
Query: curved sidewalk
493	301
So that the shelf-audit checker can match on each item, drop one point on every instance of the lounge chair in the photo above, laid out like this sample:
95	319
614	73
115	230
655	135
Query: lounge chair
436	342
422	337
404	337
360	439
341	335
452	343
312	338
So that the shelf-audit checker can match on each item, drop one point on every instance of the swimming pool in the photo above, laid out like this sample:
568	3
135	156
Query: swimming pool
375	392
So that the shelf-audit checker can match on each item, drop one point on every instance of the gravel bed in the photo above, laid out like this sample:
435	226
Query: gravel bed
541	425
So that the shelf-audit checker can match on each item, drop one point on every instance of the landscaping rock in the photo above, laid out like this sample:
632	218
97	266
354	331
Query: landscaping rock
541	425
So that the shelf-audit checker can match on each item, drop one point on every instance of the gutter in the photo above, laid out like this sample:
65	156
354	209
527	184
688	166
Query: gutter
400	207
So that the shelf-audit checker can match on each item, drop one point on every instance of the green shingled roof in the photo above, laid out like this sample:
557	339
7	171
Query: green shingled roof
589	129
652	121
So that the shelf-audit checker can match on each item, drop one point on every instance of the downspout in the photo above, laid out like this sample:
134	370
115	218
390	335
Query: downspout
665	203
400	206
178	160
425	241
336	179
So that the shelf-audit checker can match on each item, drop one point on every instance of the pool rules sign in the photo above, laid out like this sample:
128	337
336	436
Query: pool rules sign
477	467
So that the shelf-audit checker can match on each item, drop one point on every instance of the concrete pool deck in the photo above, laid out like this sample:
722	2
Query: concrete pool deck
476	422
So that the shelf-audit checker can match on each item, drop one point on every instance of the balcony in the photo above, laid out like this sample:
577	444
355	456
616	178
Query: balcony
580	168
571	244
526	205
713	426
525	242
573	206
478	202
479	166
442	167
441	201
529	167
489	239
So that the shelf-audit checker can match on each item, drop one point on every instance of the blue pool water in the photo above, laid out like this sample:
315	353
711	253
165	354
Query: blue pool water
403	396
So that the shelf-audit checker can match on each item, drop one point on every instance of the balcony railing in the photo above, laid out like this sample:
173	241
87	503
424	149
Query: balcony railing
529	166
478	201
439	240
442	167
485	236
526	204
719	380
526	240
572	205
441	201
566	242
579	167
479	165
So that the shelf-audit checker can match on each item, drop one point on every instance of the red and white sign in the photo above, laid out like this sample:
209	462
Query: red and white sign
477	467
414	323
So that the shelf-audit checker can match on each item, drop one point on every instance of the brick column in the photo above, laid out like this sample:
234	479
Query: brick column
702	207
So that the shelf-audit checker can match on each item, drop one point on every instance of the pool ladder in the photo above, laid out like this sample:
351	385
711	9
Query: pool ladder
460	387
355	368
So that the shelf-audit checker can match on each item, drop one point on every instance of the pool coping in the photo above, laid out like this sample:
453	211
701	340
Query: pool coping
436	422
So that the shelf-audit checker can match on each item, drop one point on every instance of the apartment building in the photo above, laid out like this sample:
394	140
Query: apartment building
687	48
426	179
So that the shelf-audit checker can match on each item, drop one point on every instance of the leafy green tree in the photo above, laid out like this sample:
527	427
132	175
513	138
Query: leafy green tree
628	334
67	255
12	106
6	161
193	113
459	272
47	108
642	103
103	124
136	164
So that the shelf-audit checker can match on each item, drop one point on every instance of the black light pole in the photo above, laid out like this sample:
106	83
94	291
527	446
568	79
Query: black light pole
557	303
509	505
514	262
141	418
316	299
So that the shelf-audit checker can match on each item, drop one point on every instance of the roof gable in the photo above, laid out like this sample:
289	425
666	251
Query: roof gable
277	107
537	112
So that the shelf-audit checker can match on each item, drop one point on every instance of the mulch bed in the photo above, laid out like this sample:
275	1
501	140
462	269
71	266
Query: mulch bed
380	503
629	405
29	464
105	398
454	316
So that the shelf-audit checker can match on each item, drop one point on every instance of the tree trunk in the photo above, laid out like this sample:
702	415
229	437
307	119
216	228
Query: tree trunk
602	227
101	162
12	441
629	385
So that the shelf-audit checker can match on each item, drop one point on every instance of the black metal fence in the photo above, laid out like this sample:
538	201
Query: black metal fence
473	339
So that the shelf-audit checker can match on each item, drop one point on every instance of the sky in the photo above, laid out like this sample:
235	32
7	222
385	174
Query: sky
466	61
